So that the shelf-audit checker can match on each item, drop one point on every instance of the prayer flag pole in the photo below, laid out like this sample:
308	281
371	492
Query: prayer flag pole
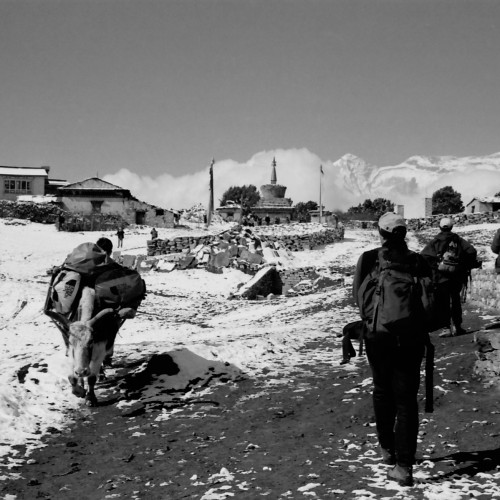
320	204
211	199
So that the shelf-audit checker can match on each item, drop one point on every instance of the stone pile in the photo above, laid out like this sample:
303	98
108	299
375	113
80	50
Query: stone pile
197	214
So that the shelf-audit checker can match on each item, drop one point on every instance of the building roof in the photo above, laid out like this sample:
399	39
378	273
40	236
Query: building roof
23	171
485	199
93	184
57	182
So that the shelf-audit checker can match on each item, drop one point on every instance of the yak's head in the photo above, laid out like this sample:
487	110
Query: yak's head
81	334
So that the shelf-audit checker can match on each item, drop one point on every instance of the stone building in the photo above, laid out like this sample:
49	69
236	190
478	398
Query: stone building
484	204
230	212
273	203
17	181
95	196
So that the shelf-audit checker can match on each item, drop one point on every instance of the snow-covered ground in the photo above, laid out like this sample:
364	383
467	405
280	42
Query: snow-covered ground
186	313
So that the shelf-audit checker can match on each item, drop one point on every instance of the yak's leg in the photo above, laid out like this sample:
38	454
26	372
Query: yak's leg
77	386
90	399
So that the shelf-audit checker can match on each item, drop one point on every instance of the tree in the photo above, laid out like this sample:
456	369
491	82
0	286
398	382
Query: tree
446	201
246	196
301	211
372	209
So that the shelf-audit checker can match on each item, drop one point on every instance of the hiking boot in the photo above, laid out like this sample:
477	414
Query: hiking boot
402	475
460	331
345	361
447	333
388	456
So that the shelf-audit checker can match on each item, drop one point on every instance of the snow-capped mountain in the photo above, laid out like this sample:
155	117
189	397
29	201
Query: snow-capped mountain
420	176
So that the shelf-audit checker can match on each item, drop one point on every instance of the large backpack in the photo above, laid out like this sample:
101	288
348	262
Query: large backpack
394	299
449	262
119	287
86	259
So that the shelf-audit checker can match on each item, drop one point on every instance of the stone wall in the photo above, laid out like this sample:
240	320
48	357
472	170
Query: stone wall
484	291
433	221
291	277
292	242
35	212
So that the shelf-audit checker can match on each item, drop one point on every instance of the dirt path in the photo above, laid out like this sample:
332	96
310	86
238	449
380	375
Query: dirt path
310	435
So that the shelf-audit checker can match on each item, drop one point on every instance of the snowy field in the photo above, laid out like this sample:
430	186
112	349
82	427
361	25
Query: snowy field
186	313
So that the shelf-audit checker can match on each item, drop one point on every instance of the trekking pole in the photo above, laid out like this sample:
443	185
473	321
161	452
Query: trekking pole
429	376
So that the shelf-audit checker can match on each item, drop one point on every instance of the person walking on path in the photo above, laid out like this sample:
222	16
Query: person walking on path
394	353
154	234
120	234
451	259
495	248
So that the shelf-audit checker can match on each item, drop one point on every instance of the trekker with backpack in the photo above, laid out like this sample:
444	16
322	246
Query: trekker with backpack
495	248
388	290
451	259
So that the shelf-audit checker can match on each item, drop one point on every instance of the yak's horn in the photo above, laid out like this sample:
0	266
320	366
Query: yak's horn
87	304
100	314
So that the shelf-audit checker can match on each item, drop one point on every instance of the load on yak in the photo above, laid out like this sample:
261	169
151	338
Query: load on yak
89	298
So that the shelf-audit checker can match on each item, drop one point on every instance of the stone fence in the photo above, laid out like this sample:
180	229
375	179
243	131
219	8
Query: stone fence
35	212
484	291
292	242
433	221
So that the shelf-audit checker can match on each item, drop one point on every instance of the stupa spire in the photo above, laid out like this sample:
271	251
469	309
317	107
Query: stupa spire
273	172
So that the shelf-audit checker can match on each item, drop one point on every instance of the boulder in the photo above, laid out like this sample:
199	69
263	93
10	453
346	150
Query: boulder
266	281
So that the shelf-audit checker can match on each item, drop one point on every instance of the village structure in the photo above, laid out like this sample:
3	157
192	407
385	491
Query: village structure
91	203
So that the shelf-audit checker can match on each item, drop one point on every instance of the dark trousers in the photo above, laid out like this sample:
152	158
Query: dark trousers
449	302
396	379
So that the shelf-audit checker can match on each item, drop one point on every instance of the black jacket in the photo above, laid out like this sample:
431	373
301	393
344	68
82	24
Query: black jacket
495	248
434	250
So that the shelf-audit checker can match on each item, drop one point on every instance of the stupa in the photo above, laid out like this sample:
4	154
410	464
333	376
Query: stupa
273	203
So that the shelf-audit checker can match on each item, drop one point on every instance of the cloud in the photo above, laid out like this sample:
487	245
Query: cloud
297	169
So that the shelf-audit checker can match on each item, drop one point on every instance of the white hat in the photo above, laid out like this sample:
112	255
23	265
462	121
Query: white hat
389	221
446	223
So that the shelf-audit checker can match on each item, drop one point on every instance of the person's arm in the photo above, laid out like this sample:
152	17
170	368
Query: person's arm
470	253
495	244
365	264
429	254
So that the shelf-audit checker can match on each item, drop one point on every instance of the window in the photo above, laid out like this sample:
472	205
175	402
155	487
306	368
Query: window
96	206
473	209
160	211
17	186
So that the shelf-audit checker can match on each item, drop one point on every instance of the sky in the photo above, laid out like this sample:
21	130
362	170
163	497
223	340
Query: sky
154	90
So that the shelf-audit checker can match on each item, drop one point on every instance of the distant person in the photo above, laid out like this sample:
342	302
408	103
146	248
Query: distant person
154	234
267	220
120	234
395	341
451	259
495	248
60	222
